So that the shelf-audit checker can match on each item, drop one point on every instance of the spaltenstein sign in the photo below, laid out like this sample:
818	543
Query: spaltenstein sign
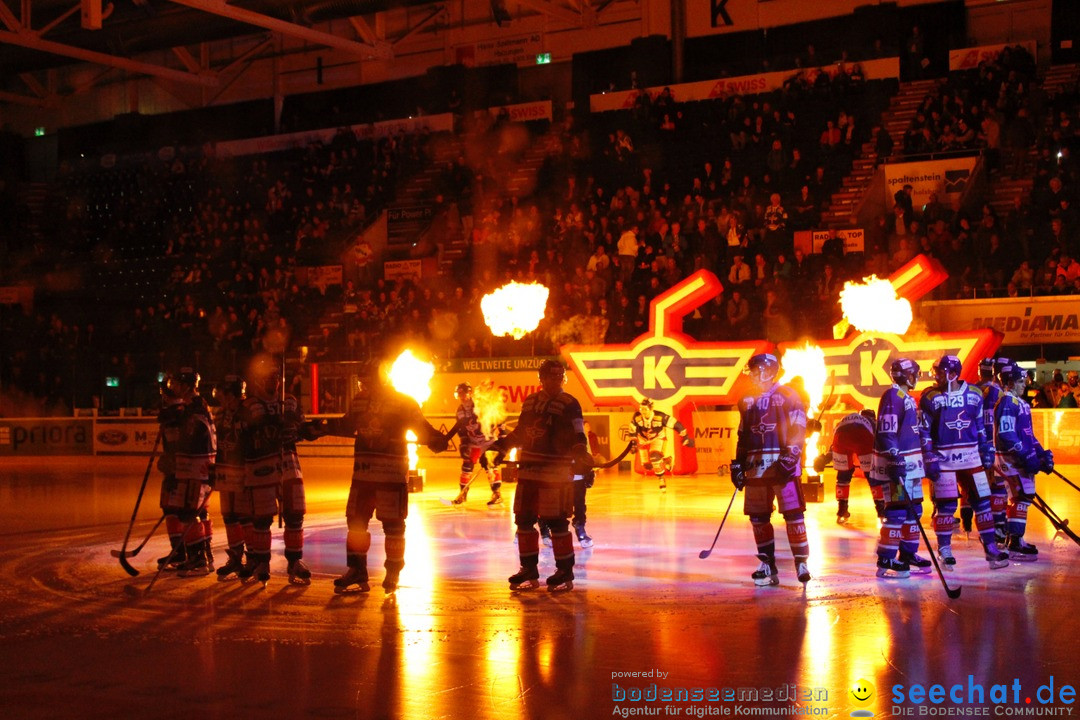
678	372
969	58
1022	321
946	178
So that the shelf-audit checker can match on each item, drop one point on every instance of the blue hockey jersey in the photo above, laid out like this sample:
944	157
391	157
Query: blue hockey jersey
899	436
769	424
1014	437
953	423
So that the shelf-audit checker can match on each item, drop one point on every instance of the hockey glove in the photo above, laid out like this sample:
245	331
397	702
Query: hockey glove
590	478
897	471
1046	462
211	478
813	425
687	441
789	462
738	475
438	443
289	433
312	430
1030	462
820	463
986	456
582	458
932	468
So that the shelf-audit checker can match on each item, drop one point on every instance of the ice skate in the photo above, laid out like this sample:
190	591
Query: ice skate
842	514
1021	550
234	565
353	576
663	484
390	582
917	565
196	564
172	561
262	572
461	496
995	556
247	570
802	571
583	537
766	574
299	574
496	499
892	568
966	515
944	553
525	579
561	580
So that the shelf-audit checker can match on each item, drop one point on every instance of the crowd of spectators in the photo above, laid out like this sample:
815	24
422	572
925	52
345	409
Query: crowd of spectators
626	205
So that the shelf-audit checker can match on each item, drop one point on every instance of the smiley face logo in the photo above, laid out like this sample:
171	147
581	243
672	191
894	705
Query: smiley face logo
862	692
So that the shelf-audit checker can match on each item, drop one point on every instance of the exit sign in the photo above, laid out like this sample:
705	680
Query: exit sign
543	58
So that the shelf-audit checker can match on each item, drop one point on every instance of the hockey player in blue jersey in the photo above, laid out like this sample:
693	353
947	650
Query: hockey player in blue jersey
999	494
952	416
768	463
1020	456
896	473
472	446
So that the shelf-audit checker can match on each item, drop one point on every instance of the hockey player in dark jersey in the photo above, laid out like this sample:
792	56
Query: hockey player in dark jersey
768	464
852	449
650	430
1019	456
378	419
473	445
229	474
270	424
999	493
190	446
952	417
896	473
550	433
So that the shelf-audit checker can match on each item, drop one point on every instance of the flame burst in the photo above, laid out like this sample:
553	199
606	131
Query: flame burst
873	306
412	376
410	448
489	405
515	309
807	363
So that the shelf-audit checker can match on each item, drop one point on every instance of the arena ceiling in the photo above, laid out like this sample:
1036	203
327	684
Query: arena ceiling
39	35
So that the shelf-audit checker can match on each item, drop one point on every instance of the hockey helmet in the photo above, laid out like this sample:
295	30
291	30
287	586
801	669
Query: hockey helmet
233	385
904	371
1013	378
187	377
763	368
1000	362
986	368
947	369
463	390
869	415
551	368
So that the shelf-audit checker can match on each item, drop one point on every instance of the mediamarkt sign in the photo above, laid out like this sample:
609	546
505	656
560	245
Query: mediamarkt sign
679	373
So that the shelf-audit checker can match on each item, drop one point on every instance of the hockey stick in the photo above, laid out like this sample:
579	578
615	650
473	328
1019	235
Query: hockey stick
1061	525
705	553
138	501
1067	481
617	460
137	550
953	593
475	475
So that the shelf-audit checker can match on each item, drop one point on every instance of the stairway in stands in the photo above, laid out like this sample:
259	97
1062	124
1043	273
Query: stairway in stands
841	207
1004	189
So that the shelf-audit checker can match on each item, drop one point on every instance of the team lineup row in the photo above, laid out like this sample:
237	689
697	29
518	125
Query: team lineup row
974	444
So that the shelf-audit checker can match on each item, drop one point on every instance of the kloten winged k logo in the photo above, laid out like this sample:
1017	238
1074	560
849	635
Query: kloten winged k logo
678	372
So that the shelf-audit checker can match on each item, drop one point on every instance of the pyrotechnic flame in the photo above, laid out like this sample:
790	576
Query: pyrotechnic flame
412	376
512	455
808	363
515	309
410	447
873	306
490	408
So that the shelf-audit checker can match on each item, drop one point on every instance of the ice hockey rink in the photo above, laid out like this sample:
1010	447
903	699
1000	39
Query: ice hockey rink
80	639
